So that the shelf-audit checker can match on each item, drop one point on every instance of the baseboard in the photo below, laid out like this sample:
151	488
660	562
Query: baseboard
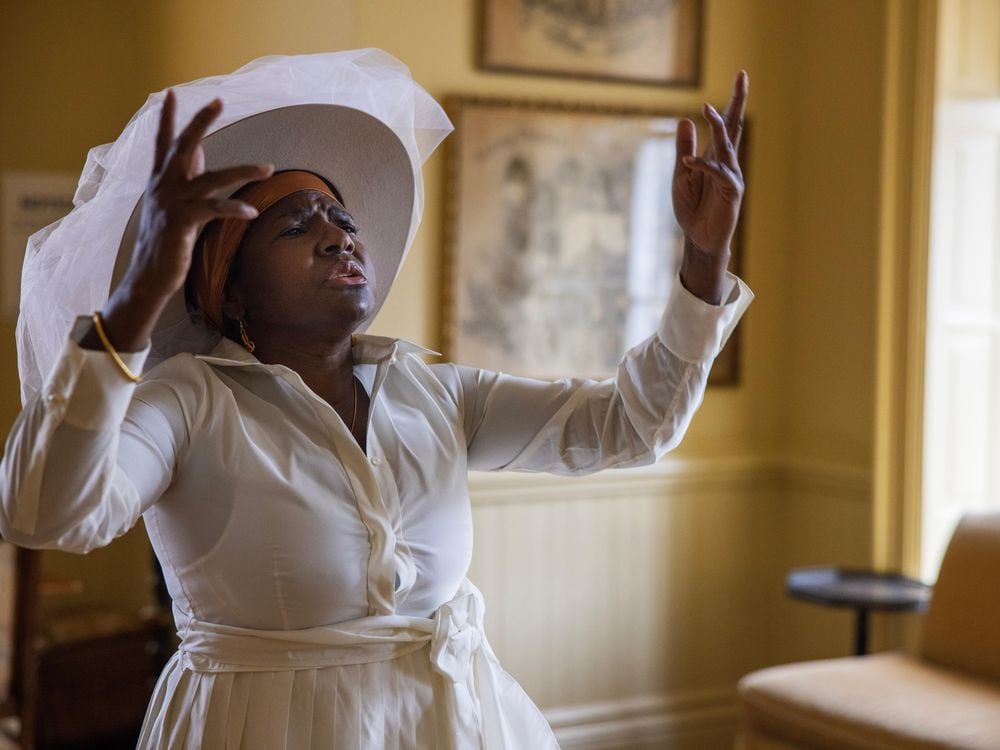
646	721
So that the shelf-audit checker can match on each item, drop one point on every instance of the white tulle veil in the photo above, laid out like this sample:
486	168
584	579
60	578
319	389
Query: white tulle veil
69	265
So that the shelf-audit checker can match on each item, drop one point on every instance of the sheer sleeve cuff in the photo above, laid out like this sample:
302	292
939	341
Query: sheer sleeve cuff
696	331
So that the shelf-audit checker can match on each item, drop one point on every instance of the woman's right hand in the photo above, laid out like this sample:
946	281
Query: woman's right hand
180	199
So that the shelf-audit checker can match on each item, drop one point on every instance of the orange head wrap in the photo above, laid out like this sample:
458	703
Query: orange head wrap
210	266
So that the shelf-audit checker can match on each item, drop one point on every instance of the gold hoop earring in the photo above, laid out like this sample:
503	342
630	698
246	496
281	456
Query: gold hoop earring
247	343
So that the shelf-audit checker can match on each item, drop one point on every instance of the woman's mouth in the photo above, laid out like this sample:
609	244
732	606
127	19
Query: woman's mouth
346	274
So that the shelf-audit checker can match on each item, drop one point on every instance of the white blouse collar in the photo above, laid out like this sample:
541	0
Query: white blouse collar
367	349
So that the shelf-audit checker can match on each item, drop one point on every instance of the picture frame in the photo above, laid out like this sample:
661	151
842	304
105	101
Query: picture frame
559	253
652	42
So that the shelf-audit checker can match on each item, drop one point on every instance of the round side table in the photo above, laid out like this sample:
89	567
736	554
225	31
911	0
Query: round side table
862	590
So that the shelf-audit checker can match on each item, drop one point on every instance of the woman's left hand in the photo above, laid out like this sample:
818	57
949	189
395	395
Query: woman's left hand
707	193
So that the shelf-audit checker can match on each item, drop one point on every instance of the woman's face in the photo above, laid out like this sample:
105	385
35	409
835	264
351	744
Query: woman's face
301	267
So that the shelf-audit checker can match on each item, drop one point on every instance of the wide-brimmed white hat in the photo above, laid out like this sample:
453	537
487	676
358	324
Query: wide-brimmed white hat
356	118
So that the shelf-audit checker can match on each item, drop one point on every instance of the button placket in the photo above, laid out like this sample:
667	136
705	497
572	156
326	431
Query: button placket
367	495
54	399
404	566
381	567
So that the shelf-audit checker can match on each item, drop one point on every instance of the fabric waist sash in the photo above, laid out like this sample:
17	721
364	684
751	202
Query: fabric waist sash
454	631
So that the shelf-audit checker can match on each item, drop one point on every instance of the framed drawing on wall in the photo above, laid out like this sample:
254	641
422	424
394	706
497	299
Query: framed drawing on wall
561	243
638	41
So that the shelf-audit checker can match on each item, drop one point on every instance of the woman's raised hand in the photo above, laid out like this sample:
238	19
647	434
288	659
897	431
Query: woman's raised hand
707	192
180	199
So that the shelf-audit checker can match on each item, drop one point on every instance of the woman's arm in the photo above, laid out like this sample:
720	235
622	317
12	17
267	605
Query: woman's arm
582	426
89	453
576	426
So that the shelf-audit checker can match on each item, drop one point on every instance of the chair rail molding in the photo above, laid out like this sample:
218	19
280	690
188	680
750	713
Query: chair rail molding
675	475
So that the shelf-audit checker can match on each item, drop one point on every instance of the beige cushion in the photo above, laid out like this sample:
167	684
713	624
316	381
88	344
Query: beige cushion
882	701
962	629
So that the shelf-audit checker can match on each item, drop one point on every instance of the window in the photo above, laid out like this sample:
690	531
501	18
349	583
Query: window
961	455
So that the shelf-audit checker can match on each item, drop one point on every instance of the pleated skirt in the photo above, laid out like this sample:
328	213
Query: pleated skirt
380	705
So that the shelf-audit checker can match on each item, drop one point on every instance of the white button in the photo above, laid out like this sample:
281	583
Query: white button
376	461
54	398
392	359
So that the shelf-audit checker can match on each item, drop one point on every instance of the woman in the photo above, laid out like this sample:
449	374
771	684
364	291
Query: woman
304	486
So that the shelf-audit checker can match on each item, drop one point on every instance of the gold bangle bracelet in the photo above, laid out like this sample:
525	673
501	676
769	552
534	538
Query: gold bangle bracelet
99	326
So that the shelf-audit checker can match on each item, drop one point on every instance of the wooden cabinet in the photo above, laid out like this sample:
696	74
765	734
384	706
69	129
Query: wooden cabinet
80	680
95	690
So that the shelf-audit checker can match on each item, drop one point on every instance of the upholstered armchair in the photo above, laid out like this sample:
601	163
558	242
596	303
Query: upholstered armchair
945	696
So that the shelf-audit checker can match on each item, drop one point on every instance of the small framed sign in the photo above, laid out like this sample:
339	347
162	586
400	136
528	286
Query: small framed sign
30	201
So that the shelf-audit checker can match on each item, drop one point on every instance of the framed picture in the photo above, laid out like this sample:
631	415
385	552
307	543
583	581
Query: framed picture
639	41
561	243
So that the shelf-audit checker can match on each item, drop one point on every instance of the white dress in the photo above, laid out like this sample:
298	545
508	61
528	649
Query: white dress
319	591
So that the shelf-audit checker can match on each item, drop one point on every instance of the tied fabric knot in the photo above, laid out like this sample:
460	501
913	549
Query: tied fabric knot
457	636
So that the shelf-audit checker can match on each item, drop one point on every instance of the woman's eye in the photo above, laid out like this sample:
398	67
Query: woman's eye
350	229
293	231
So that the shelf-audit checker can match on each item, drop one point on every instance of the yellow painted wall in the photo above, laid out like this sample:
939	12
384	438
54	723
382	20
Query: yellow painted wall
811	206
71	74
832	210
435	38
72	71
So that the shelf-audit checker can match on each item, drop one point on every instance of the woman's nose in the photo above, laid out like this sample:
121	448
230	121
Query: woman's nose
335	240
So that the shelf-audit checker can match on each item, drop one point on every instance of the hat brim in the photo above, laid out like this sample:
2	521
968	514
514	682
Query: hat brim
361	156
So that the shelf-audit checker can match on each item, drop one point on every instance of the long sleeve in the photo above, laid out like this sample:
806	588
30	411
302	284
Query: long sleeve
580	426
87	455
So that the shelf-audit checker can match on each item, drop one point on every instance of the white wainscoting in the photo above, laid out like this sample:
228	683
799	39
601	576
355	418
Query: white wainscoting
628	604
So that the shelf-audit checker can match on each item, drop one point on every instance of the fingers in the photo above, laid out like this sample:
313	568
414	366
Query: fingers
722	148
200	196
197	164
207	210
231	208
736	108
733	115
687	143
229	180
165	133
182	159
211	199
720	174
